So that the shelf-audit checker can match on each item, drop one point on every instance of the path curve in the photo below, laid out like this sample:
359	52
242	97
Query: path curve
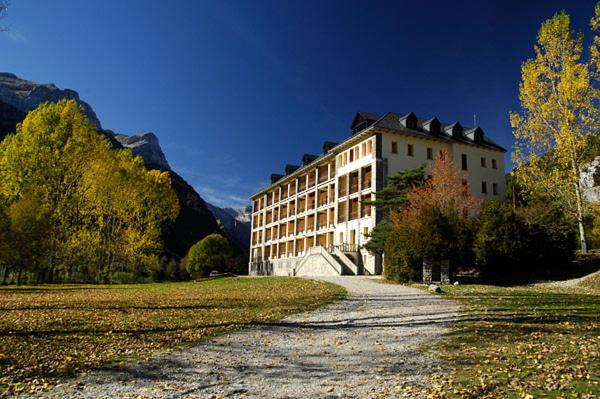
362	347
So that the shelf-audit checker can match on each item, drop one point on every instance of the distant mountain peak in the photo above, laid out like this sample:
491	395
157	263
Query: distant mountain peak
147	146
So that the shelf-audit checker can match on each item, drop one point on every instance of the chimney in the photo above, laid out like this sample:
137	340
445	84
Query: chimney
289	169
327	146
308	158
275	177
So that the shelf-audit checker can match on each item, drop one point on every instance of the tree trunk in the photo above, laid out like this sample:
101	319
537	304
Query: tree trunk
582	239
19	276
5	276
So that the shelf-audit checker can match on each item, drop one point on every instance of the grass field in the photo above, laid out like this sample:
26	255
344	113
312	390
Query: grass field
50	332
523	342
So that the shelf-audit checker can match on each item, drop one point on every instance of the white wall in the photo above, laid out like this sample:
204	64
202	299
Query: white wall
475	172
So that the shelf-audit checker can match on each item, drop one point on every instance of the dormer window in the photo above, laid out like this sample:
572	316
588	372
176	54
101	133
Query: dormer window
432	125
475	134
409	121
455	130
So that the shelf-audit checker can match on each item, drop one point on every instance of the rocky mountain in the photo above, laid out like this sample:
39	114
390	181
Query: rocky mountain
590	181
147	146
25	95
195	221
235	223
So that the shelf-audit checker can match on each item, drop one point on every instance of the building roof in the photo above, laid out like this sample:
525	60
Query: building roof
393	121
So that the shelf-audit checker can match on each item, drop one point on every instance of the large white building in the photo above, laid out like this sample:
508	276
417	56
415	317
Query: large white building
315	219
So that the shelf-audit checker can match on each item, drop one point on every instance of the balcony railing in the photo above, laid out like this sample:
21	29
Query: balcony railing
342	247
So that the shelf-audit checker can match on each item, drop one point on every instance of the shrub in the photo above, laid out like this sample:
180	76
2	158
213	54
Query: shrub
401	264
552	237
213	252
500	243
124	278
527	244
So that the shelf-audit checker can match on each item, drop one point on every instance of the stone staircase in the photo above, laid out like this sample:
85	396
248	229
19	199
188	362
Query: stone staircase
321	261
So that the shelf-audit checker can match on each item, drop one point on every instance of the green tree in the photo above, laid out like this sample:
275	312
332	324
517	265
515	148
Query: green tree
211	253
500	243
558	113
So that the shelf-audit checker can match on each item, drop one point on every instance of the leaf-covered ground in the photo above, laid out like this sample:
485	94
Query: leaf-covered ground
50	332
522	342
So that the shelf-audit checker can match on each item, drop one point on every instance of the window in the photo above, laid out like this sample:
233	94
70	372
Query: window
429	153
483	163
351	154
494	165
442	155
495	189
463	162
410	150
366	232
484	187
394	147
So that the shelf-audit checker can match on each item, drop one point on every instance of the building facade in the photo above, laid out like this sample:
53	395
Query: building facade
314	219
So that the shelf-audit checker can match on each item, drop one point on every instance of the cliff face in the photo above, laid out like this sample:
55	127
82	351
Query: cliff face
195	221
145	145
590	181
25	96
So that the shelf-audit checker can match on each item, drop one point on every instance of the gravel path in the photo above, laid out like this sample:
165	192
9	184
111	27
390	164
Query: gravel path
572	283
364	346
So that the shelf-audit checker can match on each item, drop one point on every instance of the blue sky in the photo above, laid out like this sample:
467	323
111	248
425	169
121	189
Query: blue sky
237	89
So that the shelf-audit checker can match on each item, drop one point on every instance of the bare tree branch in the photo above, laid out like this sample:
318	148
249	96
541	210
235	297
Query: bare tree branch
3	12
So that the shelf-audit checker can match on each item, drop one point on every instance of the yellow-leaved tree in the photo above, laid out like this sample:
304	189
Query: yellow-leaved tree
558	113
104	209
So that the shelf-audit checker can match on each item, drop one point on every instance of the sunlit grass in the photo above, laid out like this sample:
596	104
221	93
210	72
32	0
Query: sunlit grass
49	332
516	342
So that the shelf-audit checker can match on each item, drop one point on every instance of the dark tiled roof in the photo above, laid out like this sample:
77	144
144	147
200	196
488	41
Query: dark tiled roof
391	121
